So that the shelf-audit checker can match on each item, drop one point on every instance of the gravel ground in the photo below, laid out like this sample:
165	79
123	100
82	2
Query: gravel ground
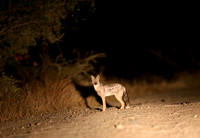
147	117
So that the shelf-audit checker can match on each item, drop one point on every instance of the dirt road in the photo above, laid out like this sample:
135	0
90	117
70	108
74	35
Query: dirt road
147	117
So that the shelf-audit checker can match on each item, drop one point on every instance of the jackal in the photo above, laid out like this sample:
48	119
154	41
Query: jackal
116	89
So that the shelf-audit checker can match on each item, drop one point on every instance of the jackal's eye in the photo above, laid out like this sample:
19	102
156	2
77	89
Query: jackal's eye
95	83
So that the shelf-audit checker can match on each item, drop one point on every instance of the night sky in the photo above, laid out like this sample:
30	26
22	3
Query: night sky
142	38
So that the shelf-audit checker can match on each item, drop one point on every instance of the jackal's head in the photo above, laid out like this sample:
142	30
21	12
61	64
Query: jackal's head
95	81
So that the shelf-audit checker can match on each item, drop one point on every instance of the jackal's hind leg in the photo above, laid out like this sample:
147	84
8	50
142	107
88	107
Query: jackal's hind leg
120	99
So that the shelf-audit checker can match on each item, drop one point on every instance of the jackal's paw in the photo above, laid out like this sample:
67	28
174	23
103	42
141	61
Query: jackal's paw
127	107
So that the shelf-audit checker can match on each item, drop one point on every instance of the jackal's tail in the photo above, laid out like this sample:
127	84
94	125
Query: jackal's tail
126	99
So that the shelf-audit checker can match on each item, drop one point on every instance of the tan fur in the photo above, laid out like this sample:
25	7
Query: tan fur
110	89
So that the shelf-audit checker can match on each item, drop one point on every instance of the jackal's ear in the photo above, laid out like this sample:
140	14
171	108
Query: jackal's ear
92	77
98	77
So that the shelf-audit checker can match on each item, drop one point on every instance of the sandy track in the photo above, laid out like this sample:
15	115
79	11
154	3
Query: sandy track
147	119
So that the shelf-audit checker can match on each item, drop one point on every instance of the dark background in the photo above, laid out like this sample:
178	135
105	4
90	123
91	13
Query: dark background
141	39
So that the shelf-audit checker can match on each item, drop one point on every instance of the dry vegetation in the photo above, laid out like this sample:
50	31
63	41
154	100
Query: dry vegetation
181	81
50	96
37	99
54	91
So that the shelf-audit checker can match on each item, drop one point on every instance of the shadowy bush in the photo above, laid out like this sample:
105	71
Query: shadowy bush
10	95
36	98
78	69
53	91
46	84
35	21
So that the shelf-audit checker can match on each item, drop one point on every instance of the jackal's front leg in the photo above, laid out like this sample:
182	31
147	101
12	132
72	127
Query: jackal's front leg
104	102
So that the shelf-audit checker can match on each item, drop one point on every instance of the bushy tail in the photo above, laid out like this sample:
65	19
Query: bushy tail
126	99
